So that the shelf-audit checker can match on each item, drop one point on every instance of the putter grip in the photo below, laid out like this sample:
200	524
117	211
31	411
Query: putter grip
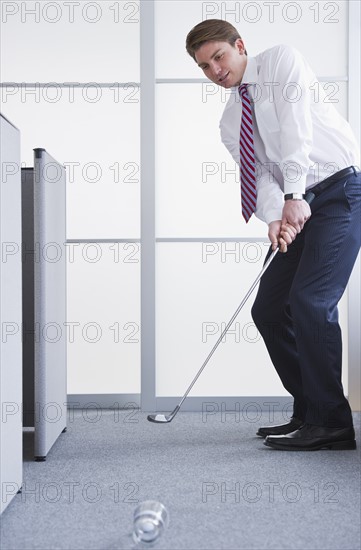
309	196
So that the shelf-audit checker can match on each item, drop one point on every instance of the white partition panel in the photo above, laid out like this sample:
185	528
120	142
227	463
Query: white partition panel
85	41
11	474
199	287
103	331
309	26
49	301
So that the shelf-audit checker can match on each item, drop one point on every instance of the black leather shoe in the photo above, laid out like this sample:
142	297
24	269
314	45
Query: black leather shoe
281	429
313	438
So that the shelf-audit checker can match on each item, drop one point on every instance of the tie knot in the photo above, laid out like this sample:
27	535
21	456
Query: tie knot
243	93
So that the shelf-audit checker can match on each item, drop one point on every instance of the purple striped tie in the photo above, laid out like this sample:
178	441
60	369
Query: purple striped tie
247	158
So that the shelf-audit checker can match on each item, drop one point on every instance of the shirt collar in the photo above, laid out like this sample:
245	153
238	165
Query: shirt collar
250	75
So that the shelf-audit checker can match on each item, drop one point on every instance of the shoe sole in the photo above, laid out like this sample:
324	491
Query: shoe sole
335	446
266	435
277	434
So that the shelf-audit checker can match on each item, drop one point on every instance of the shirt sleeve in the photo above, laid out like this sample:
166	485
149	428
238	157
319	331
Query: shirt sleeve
291	87
270	199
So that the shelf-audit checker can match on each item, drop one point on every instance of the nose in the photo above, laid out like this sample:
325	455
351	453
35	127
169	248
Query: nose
216	69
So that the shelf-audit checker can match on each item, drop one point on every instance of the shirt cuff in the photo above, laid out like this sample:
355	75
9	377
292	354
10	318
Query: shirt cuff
292	186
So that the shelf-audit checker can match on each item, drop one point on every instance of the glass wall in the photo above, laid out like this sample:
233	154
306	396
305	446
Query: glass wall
71	75
206	256
71	81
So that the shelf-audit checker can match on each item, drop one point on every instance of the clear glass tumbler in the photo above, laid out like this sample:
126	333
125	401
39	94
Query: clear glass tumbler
150	521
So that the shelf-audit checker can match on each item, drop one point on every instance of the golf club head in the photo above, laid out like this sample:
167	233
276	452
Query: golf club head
162	418
159	418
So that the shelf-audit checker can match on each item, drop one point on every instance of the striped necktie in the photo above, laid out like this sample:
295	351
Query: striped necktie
247	158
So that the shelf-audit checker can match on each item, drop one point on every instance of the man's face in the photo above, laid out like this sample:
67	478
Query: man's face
222	63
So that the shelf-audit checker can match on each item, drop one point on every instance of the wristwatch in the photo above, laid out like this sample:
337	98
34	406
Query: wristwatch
294	197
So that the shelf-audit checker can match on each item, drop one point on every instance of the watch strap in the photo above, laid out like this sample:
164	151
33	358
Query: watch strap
294	196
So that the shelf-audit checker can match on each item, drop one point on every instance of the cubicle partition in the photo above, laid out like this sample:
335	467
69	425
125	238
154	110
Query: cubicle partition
10	314
44	304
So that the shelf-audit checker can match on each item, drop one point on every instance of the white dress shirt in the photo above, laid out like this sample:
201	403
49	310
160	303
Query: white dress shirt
299	136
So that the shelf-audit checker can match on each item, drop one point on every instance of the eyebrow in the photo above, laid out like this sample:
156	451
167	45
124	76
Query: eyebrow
212	56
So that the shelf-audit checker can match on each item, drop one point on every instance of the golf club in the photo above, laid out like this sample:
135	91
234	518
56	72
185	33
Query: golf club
162	418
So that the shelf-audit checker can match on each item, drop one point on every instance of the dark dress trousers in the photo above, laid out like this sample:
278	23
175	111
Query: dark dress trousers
295	309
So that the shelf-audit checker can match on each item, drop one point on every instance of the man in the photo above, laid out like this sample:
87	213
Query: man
289	139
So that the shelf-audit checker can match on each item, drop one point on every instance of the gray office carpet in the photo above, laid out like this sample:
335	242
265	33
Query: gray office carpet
222	487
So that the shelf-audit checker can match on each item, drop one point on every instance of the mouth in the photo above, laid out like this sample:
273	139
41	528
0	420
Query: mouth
223	78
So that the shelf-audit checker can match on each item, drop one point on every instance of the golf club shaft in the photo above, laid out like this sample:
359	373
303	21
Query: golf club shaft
272	255
308	198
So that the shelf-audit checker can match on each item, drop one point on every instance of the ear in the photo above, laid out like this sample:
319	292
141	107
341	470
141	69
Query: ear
239	44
